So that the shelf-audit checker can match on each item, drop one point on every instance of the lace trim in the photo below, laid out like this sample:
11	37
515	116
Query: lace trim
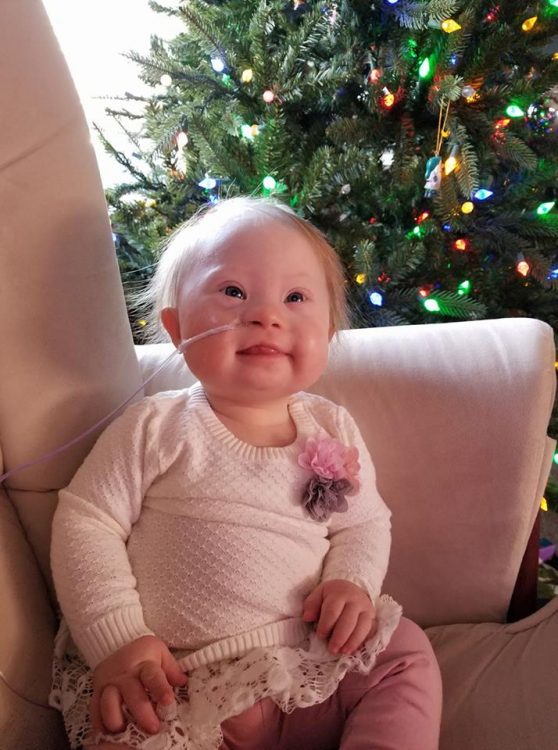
293	677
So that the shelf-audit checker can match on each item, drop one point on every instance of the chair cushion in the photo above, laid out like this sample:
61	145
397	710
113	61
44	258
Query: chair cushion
500	683
454	416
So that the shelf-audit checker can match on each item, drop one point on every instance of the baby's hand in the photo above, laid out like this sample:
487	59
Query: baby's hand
344	613
138	675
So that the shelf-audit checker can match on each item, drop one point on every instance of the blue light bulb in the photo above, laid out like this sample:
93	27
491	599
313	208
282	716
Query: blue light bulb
376	299
482	194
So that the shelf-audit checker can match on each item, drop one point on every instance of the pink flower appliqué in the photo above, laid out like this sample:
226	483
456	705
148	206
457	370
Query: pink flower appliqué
335	468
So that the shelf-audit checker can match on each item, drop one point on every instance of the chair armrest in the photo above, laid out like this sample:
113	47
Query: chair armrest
27	627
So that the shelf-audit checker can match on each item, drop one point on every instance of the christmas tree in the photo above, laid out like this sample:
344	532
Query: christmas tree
421	137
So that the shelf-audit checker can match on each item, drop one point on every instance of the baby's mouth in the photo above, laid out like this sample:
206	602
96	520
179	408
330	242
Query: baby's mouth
262	349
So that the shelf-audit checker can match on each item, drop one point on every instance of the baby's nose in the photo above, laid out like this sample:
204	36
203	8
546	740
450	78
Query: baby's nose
265	314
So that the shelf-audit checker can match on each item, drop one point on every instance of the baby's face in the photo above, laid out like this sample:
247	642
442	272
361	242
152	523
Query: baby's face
267	277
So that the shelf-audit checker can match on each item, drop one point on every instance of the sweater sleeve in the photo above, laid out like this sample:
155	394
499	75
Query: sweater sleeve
94	582
360	538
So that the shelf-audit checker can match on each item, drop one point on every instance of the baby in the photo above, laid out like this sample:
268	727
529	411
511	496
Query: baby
219	556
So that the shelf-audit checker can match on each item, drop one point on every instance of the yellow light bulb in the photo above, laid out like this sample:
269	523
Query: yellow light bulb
450	26
255	130
467	207
247	75
360	278
523	267
528	24
450	164
544	504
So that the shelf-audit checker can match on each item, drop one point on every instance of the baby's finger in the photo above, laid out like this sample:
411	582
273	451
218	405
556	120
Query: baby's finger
110	710
95	712
312	605
329	614
362	631
138	704
344	626
155	682
173	671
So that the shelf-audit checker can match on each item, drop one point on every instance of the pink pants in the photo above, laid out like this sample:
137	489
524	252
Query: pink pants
397	706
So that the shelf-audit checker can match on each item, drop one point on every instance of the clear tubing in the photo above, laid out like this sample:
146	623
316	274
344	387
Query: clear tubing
180	350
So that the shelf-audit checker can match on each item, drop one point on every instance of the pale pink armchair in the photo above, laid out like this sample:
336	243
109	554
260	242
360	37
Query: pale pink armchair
455	417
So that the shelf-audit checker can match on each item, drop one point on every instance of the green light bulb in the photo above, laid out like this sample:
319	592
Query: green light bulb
269	182
464	288
514	111
424	70
431	305
544	208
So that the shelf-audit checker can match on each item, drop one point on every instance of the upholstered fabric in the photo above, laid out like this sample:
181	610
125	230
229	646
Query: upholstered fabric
500	683
455	417
461	465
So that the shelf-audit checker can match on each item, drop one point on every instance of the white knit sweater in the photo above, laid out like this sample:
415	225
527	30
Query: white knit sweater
174	526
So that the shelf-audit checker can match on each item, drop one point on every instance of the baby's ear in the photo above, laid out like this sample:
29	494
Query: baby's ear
169	319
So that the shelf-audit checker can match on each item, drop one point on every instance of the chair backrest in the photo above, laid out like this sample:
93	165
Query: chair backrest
455	417
67	352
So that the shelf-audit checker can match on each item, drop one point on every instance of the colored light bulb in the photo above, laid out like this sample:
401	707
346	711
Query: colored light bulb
247	75
376	299
360	278
218	64
482	194
450	164
464	288
514	111
467	207
461	244
503	123
544	208
450	26
388	100
181	139
269	182
431	305
424	70
523	268
528	24
208	183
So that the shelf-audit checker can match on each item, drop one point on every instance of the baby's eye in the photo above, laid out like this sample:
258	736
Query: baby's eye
234	291
295	297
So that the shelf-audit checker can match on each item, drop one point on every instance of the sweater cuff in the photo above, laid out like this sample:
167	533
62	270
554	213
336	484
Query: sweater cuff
104	637
372	590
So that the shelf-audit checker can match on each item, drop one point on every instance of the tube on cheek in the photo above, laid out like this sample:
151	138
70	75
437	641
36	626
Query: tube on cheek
185	343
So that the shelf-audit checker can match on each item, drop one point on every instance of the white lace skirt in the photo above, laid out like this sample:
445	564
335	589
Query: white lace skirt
293	677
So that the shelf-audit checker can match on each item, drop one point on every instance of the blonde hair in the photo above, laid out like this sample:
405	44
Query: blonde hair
181	248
